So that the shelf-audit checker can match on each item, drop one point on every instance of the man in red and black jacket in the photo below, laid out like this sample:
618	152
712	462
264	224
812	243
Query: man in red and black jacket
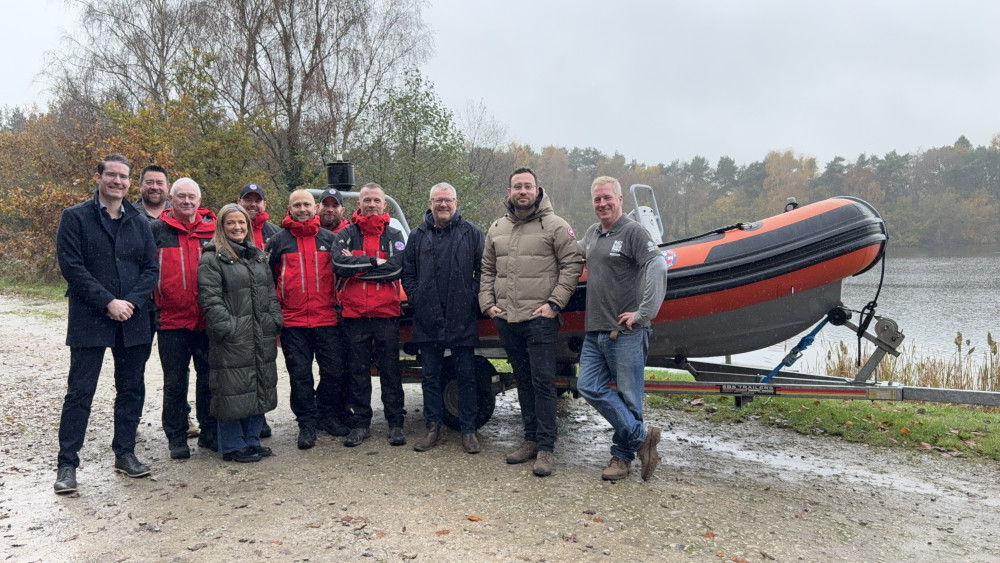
370	261
300	258
180	234
252	199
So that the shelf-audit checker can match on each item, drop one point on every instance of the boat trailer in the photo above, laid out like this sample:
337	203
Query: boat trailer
744	383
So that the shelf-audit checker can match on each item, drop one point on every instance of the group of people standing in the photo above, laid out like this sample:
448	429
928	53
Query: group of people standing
226	287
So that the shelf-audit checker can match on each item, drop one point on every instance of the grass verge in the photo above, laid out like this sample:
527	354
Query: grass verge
48	291
947	430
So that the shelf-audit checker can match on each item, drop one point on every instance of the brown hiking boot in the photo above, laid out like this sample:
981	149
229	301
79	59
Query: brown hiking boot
647	452
470	444
525	452
430	440
617	469
544	464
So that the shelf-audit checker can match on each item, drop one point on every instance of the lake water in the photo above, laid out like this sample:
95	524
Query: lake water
931	296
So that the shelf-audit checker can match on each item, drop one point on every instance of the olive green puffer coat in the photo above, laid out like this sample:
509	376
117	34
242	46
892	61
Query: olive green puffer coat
243	319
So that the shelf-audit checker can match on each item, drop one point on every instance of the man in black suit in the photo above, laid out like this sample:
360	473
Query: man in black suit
107	255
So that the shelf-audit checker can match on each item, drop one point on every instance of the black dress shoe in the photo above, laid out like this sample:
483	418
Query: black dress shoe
246	455
263	451
265	431
131	466
307	437
356	436
66	480
396	436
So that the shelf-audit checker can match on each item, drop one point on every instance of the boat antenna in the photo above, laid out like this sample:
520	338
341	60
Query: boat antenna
868	311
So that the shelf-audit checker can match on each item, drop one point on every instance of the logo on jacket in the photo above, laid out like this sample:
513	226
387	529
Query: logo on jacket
570	231
322	247
670	257
399	245
616	248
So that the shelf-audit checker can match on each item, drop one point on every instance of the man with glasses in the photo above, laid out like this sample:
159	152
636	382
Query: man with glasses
107	255
441	270
531	265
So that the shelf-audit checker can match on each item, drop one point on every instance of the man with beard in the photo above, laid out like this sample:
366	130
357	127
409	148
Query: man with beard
252	199
531	265
331	211
180	234
441	269
300	258
153	197
369	259
107	255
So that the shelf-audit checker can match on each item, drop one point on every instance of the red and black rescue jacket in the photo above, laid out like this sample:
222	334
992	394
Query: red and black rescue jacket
263	230
303	273
178	249
369	290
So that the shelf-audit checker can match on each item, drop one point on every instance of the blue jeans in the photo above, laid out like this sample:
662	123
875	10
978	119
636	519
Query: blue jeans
464	366
234	435
531	348
622	361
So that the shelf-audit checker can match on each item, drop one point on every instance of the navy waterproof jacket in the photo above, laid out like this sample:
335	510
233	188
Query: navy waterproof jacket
99	268
458	325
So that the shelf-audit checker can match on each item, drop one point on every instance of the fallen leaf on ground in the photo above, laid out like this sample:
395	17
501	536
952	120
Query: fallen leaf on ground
475	518
443	532
905	430
380	534
709	534
926	446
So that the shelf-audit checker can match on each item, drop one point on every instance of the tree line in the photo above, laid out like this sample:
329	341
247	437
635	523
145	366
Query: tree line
267	91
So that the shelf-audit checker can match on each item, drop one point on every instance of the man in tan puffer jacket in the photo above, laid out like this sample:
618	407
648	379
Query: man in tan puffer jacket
531	265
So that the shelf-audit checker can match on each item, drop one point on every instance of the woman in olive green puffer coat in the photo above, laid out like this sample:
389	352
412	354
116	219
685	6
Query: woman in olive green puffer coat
243	318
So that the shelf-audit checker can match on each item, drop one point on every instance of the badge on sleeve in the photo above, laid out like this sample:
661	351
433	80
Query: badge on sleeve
570	231
399	245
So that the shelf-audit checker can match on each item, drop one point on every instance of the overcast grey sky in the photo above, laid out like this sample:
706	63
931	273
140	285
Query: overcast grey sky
665	80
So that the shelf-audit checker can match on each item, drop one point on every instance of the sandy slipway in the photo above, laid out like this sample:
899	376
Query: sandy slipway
721	493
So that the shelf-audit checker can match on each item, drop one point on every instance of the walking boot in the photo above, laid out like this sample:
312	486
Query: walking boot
193	430
131	466
246	455
525	452
307	437
179	449
209	439
617	469
357	436
647	452
544	463
430	440
396	436
334	427
66	480
470	443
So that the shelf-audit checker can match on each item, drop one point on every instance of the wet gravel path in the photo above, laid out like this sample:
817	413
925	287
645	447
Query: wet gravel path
722	493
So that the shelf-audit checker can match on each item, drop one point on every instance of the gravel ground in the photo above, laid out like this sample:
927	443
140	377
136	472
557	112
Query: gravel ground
722	493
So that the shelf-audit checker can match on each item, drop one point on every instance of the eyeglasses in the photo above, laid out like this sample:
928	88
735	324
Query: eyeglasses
112	176
442	200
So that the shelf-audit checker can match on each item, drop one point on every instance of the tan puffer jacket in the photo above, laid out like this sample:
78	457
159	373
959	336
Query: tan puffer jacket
529	261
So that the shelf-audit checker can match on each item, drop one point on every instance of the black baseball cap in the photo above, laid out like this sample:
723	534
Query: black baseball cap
334	194
252	189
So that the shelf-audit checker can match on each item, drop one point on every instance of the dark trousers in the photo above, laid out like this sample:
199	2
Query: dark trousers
463	360
338	404
178	347
374	338
300	345
130	392
531	350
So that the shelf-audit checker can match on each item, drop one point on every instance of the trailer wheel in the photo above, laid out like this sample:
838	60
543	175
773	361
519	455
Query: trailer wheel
486	400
